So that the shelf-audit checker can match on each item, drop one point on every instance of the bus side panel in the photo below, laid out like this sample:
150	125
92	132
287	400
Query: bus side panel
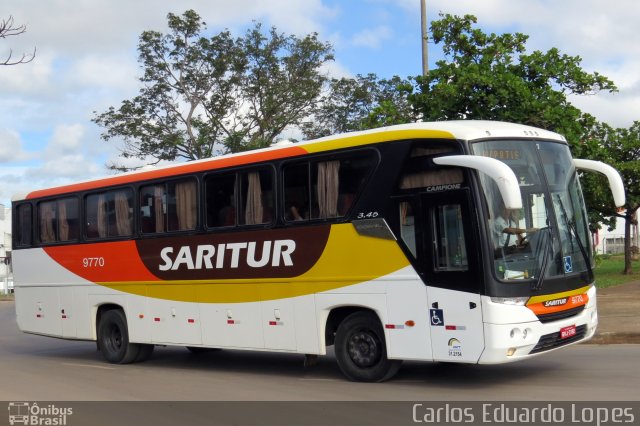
307	327
141	319
38	280
174	321
37	310
408	335
232	325
67	311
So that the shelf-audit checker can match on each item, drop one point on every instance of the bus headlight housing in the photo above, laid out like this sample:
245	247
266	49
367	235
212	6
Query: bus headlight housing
513	301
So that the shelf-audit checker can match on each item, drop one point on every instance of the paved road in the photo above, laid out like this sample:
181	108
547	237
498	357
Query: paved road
41	368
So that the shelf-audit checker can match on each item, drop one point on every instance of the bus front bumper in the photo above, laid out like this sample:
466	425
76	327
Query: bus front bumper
515	342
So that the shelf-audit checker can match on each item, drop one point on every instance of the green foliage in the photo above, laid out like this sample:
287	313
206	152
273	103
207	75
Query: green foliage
360	103
608	271
201	96
489	77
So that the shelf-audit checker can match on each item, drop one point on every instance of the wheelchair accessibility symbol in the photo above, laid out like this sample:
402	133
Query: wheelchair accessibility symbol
568	265
437	317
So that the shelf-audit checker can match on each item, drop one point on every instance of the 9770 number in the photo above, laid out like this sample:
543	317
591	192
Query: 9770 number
93	262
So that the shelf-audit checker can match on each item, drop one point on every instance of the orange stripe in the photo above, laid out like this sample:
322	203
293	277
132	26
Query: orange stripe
572	302
192	167
112	261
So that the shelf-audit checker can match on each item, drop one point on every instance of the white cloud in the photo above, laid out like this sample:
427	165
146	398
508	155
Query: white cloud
372	37
66	139
86	60
11	149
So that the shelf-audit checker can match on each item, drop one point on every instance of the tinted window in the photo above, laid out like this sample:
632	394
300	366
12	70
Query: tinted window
58	220
327	188
109	214
239	198
171	206
23	227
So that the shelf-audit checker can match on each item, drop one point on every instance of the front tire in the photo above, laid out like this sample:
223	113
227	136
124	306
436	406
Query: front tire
361	349
113	338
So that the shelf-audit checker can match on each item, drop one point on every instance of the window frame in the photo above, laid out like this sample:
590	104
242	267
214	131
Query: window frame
36	237
85	217
237	173
138	231
310	160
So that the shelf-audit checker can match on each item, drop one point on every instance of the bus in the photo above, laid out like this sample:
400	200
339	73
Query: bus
461	241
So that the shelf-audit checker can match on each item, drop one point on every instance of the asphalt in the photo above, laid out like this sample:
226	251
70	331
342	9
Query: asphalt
618	314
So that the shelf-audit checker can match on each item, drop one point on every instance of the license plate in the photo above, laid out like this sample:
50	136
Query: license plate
567	332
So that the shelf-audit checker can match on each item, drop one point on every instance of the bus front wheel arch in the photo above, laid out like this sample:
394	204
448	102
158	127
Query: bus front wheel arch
360	349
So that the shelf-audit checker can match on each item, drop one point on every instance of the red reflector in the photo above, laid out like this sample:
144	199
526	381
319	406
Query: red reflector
449	327
156	319
38	316
191	321
64	317
230	321
140	316
389	326
273	323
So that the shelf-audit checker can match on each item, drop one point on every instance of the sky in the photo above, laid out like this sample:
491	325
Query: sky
86	61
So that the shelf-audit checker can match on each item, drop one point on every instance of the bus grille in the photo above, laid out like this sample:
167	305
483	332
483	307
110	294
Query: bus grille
553	340
544	318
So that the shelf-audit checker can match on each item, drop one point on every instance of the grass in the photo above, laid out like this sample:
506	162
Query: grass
609	271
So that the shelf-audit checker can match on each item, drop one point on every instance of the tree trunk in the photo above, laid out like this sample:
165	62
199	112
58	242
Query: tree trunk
628	218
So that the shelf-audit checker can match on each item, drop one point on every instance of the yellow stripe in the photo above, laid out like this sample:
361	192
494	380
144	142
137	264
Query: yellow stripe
544	298
347	259
382	136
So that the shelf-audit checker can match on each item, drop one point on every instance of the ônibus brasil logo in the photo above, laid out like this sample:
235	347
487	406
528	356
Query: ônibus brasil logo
27	413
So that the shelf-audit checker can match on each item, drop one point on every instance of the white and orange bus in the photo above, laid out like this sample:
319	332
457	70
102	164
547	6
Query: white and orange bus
453	241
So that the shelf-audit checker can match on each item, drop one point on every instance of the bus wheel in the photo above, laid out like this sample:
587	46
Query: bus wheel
361	350
113	337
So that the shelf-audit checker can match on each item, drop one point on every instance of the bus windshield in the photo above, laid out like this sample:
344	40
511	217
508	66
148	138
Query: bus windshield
548	237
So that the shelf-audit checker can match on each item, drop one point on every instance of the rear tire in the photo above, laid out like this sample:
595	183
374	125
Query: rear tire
113	338
361	350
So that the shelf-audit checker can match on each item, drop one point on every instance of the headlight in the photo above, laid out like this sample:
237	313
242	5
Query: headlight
514	301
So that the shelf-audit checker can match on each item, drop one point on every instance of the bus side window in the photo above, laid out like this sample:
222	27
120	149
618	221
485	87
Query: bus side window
24	225
171	206
256	190
220	200
182	205
449	242
58	220
296	192
408	227
325	189
109	214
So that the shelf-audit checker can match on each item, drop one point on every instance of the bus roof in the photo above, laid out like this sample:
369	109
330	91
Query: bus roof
461	130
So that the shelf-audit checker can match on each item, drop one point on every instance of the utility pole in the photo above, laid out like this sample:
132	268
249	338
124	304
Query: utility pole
425	53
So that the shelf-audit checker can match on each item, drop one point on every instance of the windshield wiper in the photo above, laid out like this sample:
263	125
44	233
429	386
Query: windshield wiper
537	285
571	230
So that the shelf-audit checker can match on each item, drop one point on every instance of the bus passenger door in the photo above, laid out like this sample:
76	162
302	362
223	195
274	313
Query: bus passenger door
452	276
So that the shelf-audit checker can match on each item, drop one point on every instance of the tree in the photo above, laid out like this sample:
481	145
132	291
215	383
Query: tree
203	96
488	76
621	149
9	29
360	103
